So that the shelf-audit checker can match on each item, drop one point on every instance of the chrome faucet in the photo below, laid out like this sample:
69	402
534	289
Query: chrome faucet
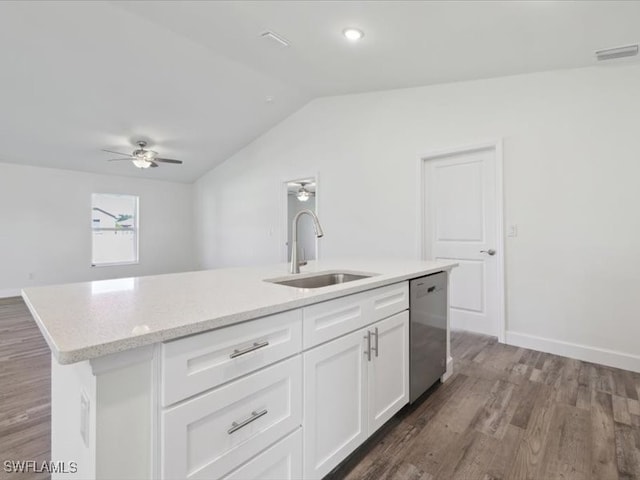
295	264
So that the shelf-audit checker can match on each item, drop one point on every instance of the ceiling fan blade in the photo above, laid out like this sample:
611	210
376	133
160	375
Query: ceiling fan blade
119	160
117	153
154	164
167	160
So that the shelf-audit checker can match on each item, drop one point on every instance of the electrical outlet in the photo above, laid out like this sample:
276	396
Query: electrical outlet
85	409
512	231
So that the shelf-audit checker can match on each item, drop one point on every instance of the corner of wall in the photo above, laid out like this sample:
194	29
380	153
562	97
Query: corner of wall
8	293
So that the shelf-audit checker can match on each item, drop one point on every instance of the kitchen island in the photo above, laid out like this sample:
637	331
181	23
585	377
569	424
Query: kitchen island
223	373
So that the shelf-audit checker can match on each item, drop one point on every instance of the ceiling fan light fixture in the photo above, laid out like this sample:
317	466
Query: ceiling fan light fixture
141	157
141	163
303	194
149	155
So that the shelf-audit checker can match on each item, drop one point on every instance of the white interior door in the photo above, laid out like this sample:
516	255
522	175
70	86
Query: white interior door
461	224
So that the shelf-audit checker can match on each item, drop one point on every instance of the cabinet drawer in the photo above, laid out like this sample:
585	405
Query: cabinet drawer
389	300
197	363
327	320
283	461
210	435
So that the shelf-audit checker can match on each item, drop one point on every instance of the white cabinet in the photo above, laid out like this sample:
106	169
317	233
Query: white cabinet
388	372
335	414
353	385
208	436
286	396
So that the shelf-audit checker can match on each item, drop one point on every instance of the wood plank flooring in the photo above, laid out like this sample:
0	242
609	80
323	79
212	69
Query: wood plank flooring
510	413
506	413
25	390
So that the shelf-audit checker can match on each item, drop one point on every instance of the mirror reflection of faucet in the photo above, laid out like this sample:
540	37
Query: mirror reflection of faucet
295	263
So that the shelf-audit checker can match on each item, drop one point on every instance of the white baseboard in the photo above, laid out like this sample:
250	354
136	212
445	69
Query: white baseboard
449	370
587	353
11	292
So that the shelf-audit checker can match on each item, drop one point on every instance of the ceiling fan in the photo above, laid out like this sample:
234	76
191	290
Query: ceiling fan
303	194
142	157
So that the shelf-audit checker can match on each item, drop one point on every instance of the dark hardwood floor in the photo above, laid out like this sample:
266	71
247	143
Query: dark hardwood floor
506	413
511	413
25	390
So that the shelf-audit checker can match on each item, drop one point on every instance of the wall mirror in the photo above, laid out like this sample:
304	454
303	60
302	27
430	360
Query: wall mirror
301	194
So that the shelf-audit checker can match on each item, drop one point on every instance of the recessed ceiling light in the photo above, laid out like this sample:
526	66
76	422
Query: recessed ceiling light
353	34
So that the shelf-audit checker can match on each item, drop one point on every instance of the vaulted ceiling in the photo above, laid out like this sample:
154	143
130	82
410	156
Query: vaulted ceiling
193	77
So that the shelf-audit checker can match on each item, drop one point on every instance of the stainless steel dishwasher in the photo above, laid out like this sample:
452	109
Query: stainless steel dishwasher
427	332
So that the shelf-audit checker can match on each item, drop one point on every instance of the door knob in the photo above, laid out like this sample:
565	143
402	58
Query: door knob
490	252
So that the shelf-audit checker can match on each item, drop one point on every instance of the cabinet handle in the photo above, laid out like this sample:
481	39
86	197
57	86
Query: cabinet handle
376	335
368	352
238	425
255	346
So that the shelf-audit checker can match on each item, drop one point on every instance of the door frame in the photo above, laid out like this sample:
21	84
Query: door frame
424	246
284	220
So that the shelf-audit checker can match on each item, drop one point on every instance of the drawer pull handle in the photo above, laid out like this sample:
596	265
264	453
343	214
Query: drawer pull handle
255	346
254	416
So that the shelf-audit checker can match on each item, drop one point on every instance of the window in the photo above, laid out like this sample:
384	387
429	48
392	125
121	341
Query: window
114	229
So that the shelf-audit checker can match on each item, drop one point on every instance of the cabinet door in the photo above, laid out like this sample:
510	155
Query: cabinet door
388	372
335	417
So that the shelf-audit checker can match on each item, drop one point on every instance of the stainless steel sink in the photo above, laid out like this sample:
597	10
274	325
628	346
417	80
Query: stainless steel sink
320	280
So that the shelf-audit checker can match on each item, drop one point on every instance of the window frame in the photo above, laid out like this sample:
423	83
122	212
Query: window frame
136	231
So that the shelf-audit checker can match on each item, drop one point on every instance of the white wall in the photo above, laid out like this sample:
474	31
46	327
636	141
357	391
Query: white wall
46	226
572	184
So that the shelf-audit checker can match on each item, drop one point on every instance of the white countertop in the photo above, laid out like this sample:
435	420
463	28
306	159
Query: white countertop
87	320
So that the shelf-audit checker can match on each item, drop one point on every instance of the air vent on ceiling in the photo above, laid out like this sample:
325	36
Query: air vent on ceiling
617	52
275	38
